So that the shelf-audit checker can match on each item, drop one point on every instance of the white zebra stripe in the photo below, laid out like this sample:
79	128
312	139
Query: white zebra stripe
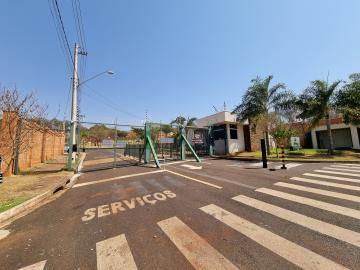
288	250
114	253
311	202
325	183
195	249
302	220
337	195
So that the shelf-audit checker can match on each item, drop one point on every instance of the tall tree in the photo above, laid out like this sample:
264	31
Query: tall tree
348	100
259	101
317	103
181	120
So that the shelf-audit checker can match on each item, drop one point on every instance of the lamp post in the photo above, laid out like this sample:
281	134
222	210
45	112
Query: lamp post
74	116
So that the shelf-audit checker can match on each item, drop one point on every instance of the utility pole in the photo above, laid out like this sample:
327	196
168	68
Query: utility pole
74	94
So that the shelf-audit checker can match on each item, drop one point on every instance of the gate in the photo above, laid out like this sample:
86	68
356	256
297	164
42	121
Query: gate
169	143
109	145
115	145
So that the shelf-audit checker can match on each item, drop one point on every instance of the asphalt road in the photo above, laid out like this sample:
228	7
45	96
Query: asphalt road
219	214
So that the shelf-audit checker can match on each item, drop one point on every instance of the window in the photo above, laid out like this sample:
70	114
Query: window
233	132
219	132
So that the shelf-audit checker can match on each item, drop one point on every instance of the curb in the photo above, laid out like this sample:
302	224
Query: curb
26	207
291	160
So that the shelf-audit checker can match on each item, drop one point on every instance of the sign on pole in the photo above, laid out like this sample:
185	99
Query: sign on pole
197	139
166	140
295	142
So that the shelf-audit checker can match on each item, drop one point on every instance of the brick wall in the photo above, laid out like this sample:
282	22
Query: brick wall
40	144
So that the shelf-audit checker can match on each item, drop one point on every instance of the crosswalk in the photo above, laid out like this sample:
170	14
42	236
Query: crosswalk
115	252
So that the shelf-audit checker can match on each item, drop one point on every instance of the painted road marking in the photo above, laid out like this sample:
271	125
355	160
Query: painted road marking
311	202
340	173
341	169
124	205
288	250
350	164
191	167
333	177
114	253
4	233
116	178
333	194
36	266
347	167
302	220
324	183
196	250
288	166
221	179
193	179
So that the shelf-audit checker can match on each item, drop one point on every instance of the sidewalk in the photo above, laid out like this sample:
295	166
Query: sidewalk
38	180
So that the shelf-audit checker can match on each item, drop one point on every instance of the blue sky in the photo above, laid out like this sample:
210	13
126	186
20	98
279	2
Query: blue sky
175	57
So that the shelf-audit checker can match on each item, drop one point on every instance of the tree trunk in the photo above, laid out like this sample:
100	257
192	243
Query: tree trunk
267	141
331	142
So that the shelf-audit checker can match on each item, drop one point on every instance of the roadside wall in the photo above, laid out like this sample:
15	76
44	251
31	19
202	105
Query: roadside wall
38	144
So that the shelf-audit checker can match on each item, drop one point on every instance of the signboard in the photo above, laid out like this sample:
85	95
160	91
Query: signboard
120	144
166	140
107	142
197	139
110	143
295	142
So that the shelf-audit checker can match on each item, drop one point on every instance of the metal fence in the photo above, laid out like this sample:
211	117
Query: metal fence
110	144
113	145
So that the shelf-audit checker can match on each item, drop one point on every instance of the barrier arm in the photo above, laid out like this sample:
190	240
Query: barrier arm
149	142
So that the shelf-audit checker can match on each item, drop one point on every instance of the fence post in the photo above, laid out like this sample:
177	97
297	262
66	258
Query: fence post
263	153
70	144
1	174
115	143
211	142
283	158
182	143
146	145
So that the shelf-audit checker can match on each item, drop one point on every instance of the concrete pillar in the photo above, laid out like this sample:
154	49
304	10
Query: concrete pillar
227	139
241	138
313	138
355	137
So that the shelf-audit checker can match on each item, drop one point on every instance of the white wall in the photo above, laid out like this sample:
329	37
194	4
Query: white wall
353	129
236	145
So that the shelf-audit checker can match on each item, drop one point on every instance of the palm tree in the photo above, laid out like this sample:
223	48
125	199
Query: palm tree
316	103
348	100
181	120
259	101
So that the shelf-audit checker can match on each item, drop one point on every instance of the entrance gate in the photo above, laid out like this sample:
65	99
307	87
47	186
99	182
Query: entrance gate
115	145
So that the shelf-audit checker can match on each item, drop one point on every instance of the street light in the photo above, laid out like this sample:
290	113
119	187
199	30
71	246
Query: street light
109	72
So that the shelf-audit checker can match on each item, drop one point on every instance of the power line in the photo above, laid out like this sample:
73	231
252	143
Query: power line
63	29
60	37
110	103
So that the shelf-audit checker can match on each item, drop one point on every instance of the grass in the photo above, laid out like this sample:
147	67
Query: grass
308	154
13	202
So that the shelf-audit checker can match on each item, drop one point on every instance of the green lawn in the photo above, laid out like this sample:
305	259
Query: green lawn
309	154
13	202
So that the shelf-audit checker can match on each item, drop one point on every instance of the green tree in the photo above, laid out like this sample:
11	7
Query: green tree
317	103
348	100
259	101
181	120
281	134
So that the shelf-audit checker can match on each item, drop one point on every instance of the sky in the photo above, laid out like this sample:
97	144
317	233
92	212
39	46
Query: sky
175	57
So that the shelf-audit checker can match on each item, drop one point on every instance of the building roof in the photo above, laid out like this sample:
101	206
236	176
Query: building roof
218	118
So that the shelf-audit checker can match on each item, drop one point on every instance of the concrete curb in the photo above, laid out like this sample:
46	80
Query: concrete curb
291	160
29	205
